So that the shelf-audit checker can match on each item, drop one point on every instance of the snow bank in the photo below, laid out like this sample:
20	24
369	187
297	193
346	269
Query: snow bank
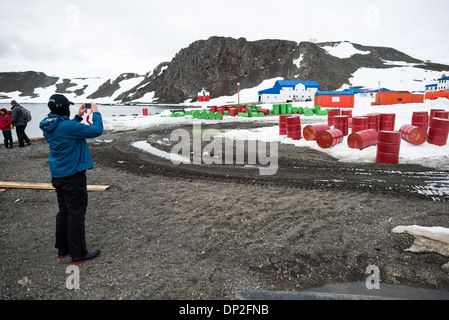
405	77
427	239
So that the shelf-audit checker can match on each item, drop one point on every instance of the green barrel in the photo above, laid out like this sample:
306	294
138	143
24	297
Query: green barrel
243	114
322	112
219	115
300	110
261	114
226	112
254	114
317	108
276	109
197	114
211	115
289	108
283	108
295	109
308	112
204	114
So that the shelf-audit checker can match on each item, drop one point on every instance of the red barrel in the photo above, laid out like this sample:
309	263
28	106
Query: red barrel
293	124
342	123
145	112
388	147
346	112
329	138
331	114
432	113
373	121
363	139
413	134
442	114
264	111
213	109
420	119
438	131
282	125
387	121
359	124
311	132
219	109
232	111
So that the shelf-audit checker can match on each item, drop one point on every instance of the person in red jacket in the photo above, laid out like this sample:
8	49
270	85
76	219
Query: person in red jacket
5	126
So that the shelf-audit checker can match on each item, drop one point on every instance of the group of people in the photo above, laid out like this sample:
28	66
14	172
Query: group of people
9	121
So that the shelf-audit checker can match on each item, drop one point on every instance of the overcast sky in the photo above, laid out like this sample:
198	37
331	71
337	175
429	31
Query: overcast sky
106	38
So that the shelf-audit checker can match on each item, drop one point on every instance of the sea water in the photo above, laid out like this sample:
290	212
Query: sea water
40	111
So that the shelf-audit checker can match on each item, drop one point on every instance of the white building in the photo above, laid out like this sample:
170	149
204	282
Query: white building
442	85
290	90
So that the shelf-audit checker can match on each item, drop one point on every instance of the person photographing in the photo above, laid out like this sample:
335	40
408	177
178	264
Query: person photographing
69	159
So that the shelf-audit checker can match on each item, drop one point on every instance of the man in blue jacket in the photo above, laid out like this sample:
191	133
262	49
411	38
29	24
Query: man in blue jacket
69	159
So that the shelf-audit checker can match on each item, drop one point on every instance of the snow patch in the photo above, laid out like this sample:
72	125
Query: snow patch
344	50
427	239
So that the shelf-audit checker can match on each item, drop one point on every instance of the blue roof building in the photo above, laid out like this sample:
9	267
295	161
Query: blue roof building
289	90
442	85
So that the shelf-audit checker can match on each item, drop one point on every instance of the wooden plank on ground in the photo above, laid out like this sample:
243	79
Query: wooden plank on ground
44	186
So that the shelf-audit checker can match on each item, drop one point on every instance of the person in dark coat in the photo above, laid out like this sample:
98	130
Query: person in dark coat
69	160
19	124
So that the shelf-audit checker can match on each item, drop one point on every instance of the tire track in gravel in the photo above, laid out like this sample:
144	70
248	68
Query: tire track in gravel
301	168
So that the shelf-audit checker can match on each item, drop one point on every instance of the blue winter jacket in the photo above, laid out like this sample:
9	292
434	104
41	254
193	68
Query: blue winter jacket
69	152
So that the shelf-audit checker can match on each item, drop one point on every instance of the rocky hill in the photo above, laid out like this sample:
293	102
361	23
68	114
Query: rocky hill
218	64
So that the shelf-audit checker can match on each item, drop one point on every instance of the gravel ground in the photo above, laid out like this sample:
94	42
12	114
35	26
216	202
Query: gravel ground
171	232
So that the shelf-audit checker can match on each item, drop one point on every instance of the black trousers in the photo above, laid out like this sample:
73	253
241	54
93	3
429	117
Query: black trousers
8	138
70	220
21	135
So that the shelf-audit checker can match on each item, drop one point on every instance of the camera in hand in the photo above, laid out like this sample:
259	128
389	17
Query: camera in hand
88	105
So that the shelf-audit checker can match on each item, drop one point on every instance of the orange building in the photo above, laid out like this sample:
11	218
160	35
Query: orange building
438	94
334	99
397	97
